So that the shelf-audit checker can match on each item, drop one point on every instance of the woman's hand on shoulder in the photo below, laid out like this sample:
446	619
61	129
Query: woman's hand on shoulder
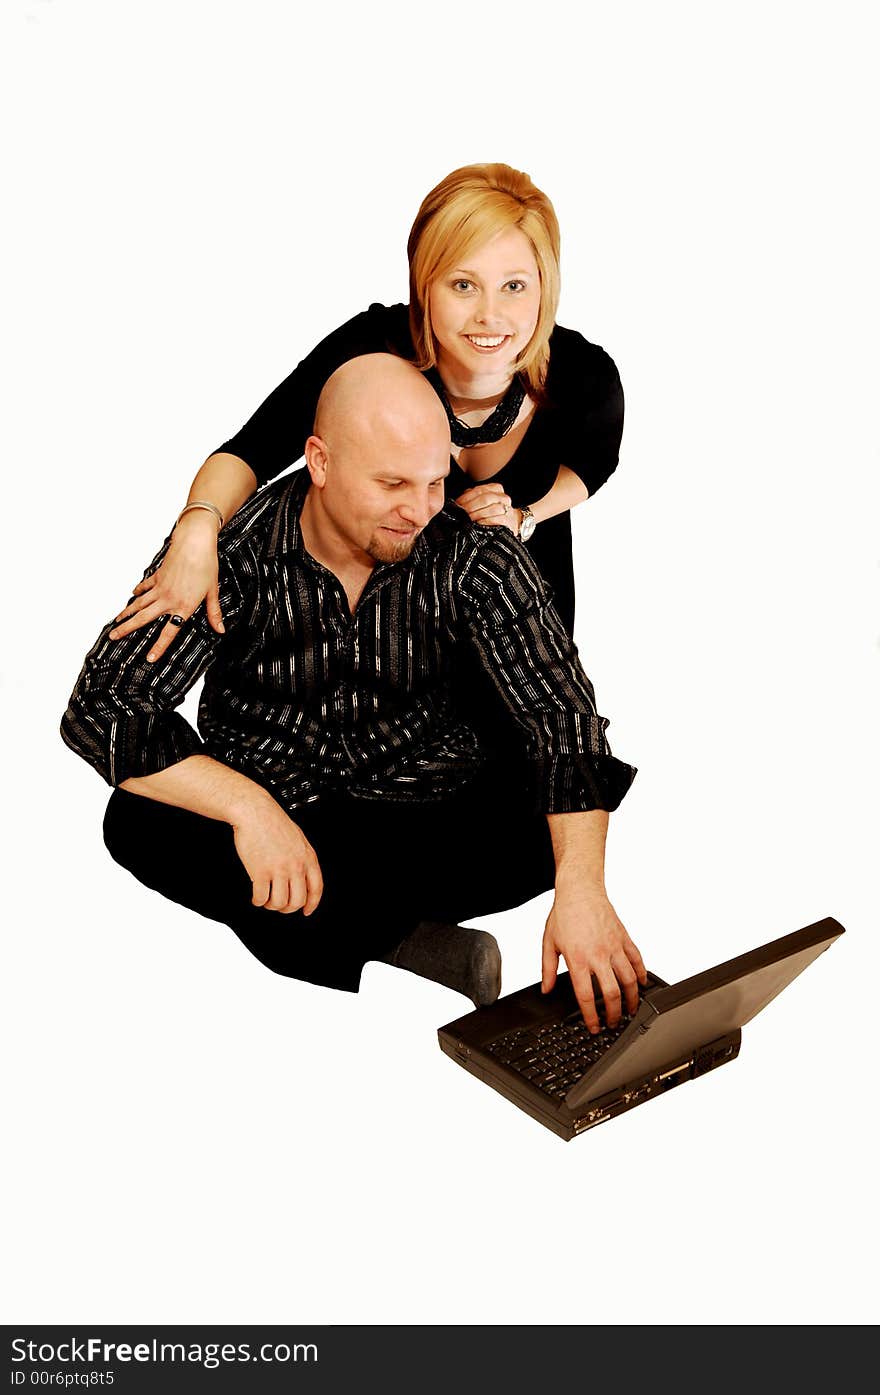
188	575
488	504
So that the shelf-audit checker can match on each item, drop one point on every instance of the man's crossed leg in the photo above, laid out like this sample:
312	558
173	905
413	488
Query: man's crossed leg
397	878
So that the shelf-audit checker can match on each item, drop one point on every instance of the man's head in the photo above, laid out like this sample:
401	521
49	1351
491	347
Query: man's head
378	457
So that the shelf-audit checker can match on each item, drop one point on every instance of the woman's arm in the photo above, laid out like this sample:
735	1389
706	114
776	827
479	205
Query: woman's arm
266	445
488	503
189	571
224	480
568	490
585	430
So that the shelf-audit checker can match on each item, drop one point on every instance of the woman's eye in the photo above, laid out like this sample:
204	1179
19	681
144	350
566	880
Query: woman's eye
516	285
461	285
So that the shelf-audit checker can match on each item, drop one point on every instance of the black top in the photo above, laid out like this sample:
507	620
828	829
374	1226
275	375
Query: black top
580	426
307	698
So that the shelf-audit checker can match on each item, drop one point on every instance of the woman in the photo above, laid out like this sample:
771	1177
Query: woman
536	412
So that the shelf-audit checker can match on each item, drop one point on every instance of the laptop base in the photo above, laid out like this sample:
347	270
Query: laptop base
534	1049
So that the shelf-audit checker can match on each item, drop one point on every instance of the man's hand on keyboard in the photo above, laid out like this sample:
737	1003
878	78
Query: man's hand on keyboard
583	927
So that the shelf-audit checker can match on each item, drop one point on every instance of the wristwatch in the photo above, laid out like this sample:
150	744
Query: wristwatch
528	525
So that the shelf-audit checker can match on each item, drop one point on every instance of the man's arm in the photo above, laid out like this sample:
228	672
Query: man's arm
122	717
122	720
583	926
526	651
276	854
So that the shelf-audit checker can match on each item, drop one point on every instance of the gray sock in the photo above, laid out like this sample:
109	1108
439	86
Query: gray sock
468	961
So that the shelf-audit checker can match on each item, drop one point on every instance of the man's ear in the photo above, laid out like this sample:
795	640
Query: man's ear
317	456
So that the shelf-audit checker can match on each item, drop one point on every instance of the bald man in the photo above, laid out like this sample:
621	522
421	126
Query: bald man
336	805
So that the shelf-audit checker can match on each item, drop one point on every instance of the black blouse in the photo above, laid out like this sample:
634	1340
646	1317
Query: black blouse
580	426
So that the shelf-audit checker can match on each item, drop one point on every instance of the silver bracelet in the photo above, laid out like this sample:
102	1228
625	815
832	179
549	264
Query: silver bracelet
202	504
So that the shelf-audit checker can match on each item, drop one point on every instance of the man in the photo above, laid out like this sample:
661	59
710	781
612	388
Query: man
339	807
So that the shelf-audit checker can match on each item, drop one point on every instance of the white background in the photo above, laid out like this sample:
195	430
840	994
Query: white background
199	192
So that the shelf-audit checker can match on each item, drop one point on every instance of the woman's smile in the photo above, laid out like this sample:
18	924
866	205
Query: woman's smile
488	343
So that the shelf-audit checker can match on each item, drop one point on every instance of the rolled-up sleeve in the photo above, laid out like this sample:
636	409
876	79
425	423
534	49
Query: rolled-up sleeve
527	652
121	717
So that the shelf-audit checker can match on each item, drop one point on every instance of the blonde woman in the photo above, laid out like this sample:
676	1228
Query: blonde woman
535	410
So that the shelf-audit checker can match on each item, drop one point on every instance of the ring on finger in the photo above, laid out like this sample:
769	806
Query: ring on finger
177	620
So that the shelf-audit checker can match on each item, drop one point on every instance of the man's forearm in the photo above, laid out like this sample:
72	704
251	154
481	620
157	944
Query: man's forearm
583	926
203	786
579	846
280	861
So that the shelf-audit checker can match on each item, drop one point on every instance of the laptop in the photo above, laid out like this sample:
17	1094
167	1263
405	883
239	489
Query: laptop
535	1048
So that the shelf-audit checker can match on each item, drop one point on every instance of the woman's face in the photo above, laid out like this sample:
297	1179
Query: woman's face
484	312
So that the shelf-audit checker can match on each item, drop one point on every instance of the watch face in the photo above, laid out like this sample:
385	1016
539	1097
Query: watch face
528	527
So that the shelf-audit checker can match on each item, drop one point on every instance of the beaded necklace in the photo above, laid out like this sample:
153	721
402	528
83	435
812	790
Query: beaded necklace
496	425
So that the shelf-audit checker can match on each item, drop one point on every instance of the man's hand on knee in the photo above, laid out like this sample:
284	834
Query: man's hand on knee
274	851
279	859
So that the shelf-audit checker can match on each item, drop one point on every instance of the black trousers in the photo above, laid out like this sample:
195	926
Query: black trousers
386	866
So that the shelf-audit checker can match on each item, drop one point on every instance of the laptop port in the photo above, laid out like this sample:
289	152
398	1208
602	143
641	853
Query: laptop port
588	1121
675	1070
632	1096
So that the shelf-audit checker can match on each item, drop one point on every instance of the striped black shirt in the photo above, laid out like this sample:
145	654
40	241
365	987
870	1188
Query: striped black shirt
305	697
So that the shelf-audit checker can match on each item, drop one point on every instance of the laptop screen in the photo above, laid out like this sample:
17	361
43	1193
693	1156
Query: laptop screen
673	1022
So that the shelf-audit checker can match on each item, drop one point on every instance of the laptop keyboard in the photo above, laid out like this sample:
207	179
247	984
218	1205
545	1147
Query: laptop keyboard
556	1054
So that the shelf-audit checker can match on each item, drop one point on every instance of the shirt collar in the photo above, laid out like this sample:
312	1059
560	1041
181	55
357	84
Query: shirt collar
286	535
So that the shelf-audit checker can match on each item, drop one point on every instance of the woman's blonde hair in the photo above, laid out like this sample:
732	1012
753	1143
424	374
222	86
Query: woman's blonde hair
465	210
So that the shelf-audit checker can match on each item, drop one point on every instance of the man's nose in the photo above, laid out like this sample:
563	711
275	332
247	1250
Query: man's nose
419	509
